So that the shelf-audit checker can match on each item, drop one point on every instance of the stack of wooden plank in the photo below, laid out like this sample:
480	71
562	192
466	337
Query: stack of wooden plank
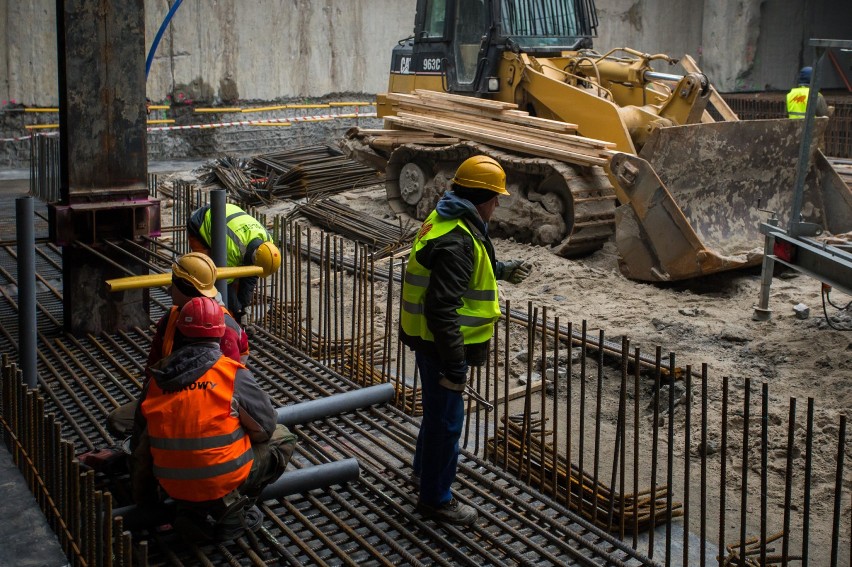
497	124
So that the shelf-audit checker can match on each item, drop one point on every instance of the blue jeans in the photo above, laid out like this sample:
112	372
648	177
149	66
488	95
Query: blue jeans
437	454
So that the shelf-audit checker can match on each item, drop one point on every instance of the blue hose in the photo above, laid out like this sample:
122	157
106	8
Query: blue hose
159	36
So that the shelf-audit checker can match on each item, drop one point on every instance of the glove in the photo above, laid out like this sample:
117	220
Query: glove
454	378
516	271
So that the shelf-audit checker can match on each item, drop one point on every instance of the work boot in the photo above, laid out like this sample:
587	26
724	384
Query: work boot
253	518
452	512
193	526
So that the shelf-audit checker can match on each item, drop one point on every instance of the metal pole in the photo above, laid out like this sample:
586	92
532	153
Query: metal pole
804	148
305	412
26	289
762	312
218	242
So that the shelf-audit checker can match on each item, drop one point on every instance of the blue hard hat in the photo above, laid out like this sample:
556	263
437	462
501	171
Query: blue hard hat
805	75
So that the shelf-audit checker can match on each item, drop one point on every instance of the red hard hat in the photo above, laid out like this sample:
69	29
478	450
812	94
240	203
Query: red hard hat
201	317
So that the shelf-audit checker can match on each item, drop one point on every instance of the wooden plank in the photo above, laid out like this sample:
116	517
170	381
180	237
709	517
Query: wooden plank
518	132
468	100
718	102
523	119
499	140
510	116
585	145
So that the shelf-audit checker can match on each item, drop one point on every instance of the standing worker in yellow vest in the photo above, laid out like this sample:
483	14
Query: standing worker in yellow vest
249	244
797	98
449	306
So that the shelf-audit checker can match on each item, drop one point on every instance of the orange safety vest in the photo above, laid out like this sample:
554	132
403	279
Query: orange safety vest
200	450
171	328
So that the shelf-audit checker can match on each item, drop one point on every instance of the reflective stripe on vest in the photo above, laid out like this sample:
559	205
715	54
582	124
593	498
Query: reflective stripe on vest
797	102
171	328
199	448
242	229
480	305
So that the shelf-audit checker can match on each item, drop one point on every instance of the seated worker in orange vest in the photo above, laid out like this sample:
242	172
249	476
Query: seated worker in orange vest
206	433
248	244
193	275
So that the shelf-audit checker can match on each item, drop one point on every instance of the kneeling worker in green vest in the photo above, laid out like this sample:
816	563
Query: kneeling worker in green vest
449	307
249	244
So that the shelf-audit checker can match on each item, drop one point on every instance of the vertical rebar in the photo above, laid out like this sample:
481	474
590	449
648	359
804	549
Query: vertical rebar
724	469
508	310
27	323
658	361
687	447
670	458
744	481
543	397
598	403
218	238
806	508
764	459
569	413
788	482
636	375
581	442
702	534
555	447
838	491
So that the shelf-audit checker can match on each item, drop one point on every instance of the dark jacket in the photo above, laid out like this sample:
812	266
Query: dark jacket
450	259
183	367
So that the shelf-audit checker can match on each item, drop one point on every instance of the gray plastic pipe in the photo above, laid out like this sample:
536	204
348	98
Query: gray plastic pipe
292	482
305	412
26	289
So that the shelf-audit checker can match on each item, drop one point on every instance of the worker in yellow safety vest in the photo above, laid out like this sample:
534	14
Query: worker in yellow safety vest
797	98
248	244
448	309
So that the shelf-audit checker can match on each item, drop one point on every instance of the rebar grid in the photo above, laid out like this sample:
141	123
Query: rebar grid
331	300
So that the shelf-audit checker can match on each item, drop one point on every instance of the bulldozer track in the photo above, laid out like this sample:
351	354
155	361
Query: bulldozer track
567	207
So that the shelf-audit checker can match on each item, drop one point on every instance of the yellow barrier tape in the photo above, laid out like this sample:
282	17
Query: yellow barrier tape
223	109
41	110
40	126
162	121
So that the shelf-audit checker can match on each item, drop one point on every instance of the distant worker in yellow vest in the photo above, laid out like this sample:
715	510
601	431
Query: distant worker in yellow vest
249	244
797	98
449	306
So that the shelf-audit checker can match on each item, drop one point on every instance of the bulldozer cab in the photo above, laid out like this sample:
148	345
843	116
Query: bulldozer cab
457	44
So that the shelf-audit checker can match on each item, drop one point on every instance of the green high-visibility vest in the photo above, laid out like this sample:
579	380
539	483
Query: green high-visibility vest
797	102
480	306
242	229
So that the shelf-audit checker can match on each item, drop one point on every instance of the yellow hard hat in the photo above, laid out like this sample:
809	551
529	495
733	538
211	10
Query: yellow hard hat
199	270
481	172
268	257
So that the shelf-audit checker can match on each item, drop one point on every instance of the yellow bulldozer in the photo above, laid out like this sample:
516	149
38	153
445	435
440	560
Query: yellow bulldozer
655	158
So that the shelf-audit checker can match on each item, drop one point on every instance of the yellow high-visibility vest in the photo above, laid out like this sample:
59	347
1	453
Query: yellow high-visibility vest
480	306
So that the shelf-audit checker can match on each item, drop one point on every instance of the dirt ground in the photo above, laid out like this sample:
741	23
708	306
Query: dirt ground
710	321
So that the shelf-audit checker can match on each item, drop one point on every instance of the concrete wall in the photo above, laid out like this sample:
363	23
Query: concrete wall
228	50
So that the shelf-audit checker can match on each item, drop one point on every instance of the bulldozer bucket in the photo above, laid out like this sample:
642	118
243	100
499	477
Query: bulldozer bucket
693	200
